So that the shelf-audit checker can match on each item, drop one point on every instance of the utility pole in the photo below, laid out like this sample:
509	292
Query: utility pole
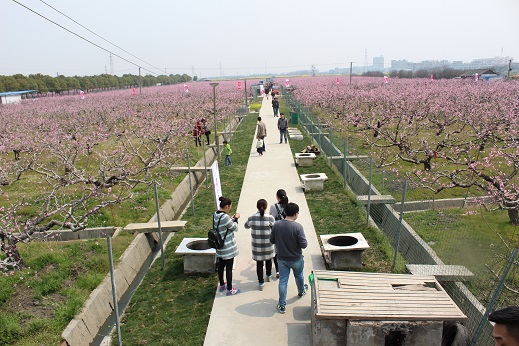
246	105
351	68
111	65
509	67
365	60
140	81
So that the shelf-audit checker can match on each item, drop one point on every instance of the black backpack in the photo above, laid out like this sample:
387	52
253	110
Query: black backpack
281	214
214	239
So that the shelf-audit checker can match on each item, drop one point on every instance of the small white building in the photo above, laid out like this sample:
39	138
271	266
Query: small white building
13	96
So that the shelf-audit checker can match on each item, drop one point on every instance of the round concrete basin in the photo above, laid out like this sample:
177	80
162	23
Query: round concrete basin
198	245
343	240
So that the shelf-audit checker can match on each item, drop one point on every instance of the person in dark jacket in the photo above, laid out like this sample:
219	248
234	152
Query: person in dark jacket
282	127
275	106
290	240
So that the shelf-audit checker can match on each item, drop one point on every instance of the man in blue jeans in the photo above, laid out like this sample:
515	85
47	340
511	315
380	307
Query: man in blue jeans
290	240
282	127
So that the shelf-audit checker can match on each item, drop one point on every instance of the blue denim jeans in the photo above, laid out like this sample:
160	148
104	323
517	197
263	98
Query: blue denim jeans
282	132
284	272
228	161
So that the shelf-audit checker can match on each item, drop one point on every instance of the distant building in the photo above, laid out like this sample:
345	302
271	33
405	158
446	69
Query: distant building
378	63
13	96
401	65
483	74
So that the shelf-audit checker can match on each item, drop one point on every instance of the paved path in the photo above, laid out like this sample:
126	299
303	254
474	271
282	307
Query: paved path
251	317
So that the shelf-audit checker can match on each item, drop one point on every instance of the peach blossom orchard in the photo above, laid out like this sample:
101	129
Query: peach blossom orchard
82	155
440	134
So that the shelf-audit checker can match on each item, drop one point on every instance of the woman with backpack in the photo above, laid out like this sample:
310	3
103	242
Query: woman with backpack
226	227
277	210
262	249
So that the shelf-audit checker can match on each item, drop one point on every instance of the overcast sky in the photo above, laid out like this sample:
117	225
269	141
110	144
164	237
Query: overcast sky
231	37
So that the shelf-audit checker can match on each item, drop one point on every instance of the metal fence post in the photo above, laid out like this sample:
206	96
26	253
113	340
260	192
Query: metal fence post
158	224
331	146
369	188
205	170
496	294
114	293
397	243
190	184
345	171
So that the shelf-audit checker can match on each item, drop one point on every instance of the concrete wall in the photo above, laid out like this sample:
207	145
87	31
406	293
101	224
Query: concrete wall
84	327
439	204
67	235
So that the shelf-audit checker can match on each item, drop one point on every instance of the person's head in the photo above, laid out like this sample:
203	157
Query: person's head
203	120
262	206
258	137
282	198
259	118
225	142
291	209
506	327
282	115
225	204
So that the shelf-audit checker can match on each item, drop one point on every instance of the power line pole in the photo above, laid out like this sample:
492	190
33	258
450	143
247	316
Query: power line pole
111	65
509	67
351	68
365	60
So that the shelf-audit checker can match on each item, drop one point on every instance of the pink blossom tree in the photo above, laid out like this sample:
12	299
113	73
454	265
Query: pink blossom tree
74	157
441	134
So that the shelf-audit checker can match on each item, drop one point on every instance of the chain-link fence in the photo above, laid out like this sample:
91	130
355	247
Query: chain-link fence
470	250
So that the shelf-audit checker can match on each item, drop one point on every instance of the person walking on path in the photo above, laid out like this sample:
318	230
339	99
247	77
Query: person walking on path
260	224
226	227
262	132
290	240
206	130
227	151
259	146
197	133
282	127
277	210
275	106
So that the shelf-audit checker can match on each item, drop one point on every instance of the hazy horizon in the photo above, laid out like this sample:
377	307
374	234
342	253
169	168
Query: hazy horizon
211	39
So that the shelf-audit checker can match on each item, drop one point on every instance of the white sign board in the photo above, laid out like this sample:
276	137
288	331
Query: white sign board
215	175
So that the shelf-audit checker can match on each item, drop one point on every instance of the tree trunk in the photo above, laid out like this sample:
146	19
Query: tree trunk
513	215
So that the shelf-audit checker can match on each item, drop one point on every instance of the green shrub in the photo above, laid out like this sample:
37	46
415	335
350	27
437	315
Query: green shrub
10	329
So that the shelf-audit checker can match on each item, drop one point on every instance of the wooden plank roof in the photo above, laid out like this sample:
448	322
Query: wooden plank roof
380	296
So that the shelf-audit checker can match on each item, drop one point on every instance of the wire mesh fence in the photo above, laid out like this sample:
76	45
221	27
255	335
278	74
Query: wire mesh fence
472	251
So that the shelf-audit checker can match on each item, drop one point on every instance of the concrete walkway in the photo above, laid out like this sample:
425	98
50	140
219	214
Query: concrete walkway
251	317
